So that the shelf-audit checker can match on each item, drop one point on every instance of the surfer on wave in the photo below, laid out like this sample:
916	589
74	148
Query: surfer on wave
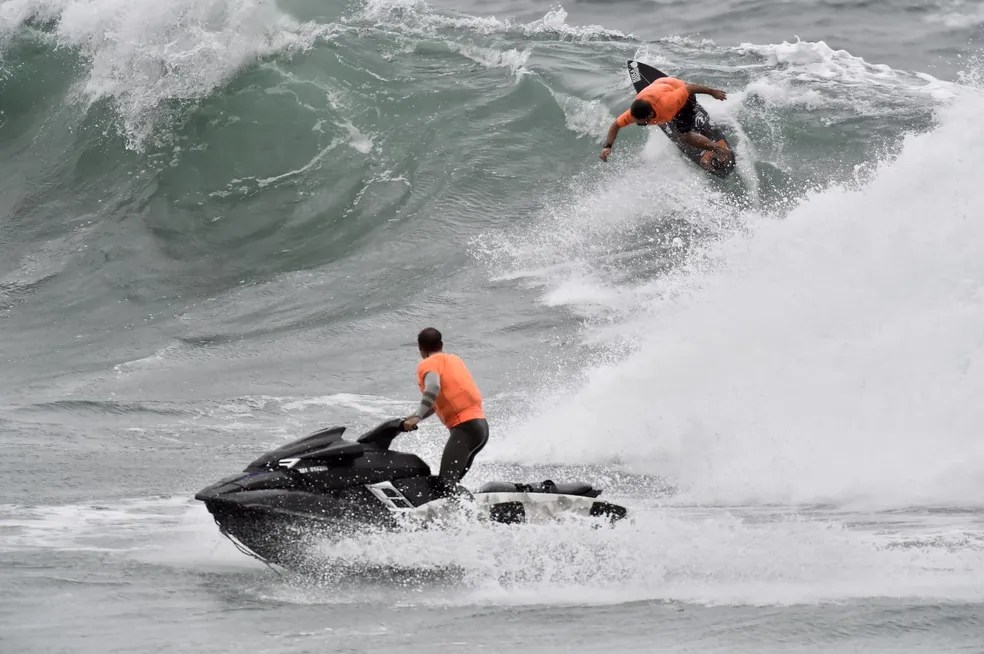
670	99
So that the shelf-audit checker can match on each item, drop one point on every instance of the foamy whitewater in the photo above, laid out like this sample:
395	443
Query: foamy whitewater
833	355
222	225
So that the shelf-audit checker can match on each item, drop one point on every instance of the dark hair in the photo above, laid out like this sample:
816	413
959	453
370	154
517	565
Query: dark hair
429	340
640	109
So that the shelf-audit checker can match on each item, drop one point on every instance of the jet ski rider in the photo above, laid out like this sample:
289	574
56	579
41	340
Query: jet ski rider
449	391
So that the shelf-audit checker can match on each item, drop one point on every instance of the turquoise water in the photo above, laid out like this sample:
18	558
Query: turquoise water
222	225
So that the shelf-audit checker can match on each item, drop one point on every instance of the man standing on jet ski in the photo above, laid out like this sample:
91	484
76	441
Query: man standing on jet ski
450	392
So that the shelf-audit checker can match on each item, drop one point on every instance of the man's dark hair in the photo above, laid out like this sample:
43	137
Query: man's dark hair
640	109
429	340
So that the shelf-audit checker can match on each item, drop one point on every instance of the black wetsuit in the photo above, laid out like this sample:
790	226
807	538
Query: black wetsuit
466	440
686	119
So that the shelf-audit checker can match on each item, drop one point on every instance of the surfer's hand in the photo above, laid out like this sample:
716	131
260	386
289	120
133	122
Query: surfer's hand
409	424
604	153
717	94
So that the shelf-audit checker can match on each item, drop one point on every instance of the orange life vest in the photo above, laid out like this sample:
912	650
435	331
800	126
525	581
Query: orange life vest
459	400
666	96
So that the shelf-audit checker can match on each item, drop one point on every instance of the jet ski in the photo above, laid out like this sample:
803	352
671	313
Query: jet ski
326	484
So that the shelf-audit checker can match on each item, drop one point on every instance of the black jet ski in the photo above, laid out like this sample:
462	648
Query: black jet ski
323	483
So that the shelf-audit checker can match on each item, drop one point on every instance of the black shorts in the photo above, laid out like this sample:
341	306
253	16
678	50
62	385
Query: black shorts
686	119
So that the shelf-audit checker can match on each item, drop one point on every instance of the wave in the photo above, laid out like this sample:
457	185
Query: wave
319	162
833	355
143	56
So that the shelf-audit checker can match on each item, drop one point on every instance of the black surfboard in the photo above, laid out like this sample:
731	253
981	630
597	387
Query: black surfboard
641	76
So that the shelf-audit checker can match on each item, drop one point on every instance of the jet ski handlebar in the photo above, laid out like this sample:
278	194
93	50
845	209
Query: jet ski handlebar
382	435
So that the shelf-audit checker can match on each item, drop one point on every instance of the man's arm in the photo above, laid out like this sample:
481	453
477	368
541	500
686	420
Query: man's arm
717	94
610	140
432	388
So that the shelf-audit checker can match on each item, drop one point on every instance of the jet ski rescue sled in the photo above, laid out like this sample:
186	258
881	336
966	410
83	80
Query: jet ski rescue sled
323	482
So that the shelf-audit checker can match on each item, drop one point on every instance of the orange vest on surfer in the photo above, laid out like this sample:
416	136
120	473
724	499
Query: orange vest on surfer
459	400
666	96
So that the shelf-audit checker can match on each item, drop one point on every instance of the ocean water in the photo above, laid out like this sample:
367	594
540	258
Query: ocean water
223	222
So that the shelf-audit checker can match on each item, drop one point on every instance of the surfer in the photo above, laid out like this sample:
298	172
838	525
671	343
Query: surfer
670	99
449	391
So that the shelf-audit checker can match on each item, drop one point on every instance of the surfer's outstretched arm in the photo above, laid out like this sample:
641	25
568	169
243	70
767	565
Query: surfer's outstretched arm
609	141
717	94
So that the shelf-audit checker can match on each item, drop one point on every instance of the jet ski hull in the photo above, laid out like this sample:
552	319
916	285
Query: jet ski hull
276	526
284	536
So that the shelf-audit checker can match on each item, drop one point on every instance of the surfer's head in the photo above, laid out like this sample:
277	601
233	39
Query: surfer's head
429	341
641	111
